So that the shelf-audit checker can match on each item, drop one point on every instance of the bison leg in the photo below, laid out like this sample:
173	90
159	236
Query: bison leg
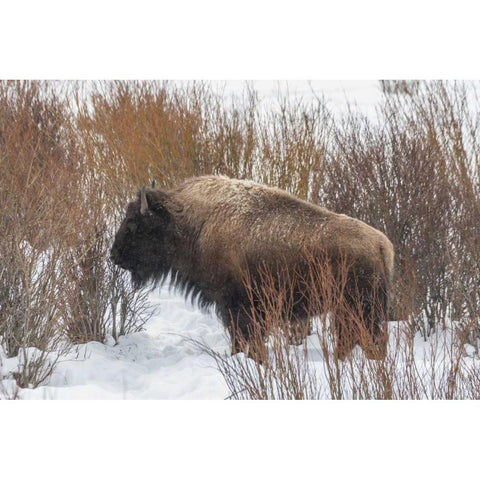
246	336
375	346
346	336
240	337
374	314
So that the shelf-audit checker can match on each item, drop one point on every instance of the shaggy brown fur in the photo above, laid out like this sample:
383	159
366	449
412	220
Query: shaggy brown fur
210	230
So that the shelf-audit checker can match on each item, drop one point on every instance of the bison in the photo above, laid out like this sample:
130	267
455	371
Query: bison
212	232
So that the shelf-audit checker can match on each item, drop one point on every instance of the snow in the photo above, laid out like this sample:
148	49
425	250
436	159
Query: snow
161	362
165	362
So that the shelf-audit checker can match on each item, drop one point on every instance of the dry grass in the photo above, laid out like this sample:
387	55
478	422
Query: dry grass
276	369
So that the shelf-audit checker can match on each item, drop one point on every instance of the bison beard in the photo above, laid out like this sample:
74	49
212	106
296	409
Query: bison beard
226	240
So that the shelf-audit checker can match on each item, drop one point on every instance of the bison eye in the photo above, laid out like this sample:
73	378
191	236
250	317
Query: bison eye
132	227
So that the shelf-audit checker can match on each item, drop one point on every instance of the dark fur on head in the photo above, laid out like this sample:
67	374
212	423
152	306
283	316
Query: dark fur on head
208	231
142	243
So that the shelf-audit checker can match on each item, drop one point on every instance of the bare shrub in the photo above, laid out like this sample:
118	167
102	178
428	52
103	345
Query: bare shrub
414	176
53	240
98	299
38	167
293	139
135	131
132	132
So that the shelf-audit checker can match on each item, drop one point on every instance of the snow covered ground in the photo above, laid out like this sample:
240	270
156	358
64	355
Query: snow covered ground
162	362
158	363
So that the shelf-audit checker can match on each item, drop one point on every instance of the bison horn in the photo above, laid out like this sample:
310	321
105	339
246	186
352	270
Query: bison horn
143	201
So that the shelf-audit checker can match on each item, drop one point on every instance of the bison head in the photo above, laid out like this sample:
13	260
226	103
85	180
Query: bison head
141	242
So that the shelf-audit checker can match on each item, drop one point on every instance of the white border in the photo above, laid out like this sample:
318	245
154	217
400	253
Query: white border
252	39
238	440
